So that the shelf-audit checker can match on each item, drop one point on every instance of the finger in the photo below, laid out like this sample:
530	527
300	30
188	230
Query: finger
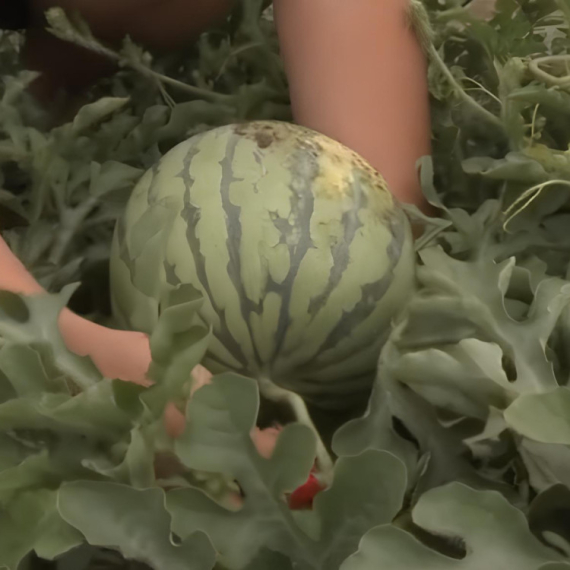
201	376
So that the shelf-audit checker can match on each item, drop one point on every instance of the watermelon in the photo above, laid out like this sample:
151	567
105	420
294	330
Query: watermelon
302	255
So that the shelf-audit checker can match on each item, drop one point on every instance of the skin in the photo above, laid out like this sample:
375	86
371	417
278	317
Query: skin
345	82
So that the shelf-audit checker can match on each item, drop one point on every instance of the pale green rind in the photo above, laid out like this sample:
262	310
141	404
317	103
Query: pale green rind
301	253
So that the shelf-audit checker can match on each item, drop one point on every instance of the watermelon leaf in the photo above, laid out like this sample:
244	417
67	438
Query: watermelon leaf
134	521
218	440
367	490
480	528
34	319
542	417
30	521
178	342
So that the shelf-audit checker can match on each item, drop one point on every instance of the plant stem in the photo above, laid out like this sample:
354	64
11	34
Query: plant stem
529	195
62	28
69	227
190	89
278	394
461	93
452	14
548	78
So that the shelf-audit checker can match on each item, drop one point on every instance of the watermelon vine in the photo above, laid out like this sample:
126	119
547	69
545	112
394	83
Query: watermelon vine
417	389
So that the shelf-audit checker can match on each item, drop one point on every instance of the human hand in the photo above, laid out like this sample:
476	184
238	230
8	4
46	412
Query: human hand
124	355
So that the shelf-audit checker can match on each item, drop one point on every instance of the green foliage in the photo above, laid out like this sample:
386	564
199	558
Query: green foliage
61	422
462	458
134	521
483	524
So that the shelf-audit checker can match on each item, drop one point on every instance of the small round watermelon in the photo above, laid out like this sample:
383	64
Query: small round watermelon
301	254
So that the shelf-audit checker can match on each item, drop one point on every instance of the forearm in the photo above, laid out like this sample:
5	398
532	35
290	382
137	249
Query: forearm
117	354
80	335
358	74
13	275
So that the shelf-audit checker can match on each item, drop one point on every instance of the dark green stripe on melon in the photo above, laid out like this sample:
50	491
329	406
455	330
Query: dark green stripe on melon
300	251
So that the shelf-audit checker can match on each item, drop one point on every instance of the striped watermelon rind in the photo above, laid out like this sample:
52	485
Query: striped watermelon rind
301	253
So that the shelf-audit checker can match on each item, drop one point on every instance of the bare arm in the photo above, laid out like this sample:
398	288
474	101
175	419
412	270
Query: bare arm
14	276
357	73
119	354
